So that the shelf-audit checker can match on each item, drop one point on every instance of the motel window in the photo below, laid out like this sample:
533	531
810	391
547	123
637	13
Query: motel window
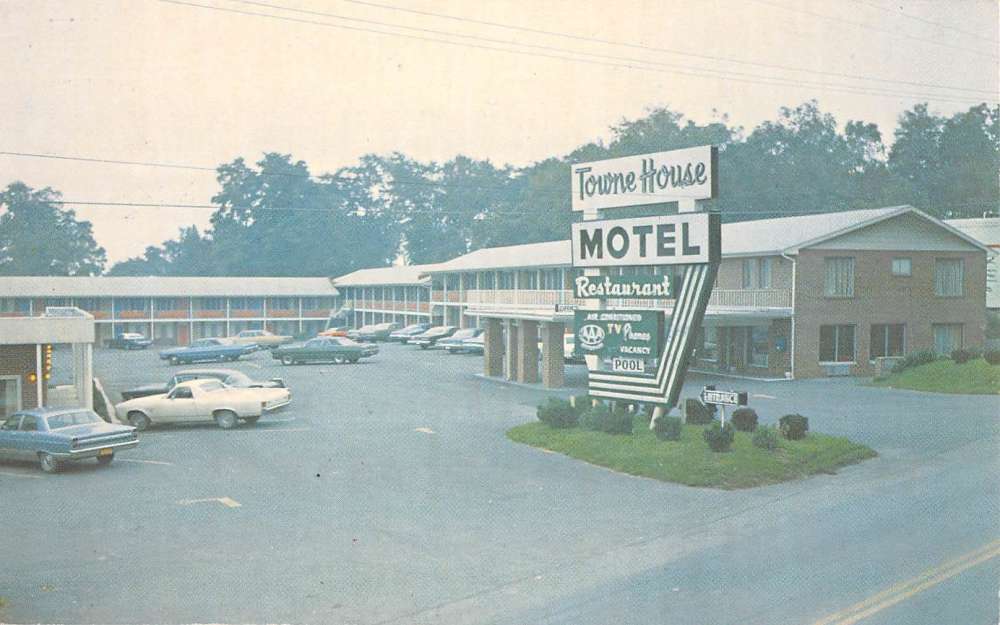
527	280
758	346
57	301
87	303
839	277
709	349
20	305
902	267
486	280
281	303
468	281
247	303
506	280
887	340
949	274
747	273
764	273
452	282
947	337
130	304
167	303
836	343
212	303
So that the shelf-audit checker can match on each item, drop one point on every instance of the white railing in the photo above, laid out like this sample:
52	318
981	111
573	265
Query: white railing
754	299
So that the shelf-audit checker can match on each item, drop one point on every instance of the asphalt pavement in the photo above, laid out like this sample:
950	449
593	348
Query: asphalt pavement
387	493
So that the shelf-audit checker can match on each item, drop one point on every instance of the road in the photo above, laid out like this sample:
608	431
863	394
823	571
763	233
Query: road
387	493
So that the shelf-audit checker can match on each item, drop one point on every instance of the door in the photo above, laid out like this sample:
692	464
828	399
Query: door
179	406
26	438
183	334
8	434
10	395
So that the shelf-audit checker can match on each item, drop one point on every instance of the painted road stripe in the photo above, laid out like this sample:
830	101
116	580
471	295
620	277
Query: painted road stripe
166	464
27	475
905	590
764	396
424	430
226	501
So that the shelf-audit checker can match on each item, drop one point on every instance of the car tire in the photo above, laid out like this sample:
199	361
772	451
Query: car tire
174	360
424	346
339	360
226	419
105	460
138	420
252	420
354	361
285	360
49	463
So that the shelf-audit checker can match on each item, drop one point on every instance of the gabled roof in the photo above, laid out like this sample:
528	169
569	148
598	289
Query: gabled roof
533	255
986	230
162	286
397	275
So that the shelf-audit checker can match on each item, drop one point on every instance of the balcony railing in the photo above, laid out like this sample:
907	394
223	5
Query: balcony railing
749	299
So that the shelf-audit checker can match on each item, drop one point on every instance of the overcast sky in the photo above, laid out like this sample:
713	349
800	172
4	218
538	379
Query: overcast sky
148	80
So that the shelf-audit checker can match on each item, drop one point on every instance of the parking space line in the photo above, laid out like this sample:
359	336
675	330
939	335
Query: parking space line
26	475
159	462
226	501
424	430
764	396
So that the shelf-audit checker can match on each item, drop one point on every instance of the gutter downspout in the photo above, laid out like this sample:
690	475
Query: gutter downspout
792	338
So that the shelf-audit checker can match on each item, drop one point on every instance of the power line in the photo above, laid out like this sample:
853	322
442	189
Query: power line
900	13
856	90
892	33
638	46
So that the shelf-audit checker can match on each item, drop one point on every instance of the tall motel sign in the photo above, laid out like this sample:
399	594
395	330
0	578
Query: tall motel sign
647	353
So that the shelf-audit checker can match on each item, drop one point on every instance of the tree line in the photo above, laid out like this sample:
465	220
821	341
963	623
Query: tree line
276	217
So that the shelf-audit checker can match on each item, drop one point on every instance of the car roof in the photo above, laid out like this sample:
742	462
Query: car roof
45	411
226	372
191	383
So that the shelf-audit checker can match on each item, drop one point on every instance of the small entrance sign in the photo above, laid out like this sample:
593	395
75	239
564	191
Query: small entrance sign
656	178
723	398
633	334
681	239
632	287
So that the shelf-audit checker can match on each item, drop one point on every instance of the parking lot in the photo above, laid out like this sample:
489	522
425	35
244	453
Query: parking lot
387	493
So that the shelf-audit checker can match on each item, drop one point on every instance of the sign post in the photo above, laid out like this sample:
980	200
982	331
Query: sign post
687	237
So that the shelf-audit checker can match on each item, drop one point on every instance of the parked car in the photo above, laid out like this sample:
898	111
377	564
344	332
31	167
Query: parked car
355	333
203	400
205	350
54	436
408	332
336	349
334	331
378	332
261	338
129	340
475	345
456	343
229	377
569	347
429	338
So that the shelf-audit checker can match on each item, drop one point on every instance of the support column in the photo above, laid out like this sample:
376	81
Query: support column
493	348
553	363
510	354
527	352
88	376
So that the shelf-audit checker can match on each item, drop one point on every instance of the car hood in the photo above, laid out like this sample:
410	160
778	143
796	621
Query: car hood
148	388
141	401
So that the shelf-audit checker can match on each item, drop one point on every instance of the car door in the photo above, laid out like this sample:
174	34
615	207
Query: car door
27	439
8	435
179	405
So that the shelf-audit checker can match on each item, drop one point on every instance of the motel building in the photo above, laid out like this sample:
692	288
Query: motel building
177	310
835	294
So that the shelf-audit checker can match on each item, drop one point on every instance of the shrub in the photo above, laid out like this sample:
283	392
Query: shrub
719	437
602	418
745	419
668	428
793	426
557	413
696	413
992	356
582	403
765	437
915	359
962	356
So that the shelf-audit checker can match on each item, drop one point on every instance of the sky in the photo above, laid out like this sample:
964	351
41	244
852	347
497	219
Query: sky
201	82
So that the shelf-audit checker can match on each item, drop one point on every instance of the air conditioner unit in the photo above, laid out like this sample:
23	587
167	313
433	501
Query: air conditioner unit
837	369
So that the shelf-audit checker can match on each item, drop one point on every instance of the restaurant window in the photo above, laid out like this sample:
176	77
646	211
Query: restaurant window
947	337
764	273
758	346
839	277
836	343
902	267
887	340
747	273
948	277
709	344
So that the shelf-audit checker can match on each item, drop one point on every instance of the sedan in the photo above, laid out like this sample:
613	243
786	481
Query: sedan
456	343
429	338
129	340
54	436
408	332
229	377
378	332
335	349
203	400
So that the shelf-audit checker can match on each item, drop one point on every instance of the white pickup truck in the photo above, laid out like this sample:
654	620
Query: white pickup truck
203	400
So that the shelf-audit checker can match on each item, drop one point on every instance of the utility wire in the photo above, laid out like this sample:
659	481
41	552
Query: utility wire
638	46
781	82
900	13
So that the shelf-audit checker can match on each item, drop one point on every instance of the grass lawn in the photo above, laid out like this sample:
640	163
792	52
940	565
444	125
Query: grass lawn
689	461
976	377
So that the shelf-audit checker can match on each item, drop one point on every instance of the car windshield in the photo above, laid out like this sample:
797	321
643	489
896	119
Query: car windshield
465	334
68	419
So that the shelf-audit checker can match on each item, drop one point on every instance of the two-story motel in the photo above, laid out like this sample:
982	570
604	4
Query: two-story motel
804	296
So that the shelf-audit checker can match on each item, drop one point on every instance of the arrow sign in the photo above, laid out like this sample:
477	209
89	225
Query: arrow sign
723	398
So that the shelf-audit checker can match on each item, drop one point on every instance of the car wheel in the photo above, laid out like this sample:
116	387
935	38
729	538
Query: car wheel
226	419
138	420
252	420
49	463
354	361
105	460
174	360
424	346
339	360
285	360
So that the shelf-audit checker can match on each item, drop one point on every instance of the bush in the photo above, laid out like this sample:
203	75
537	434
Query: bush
668	428
696	413
581	403
557	413
745	419
962	356
992	356
601	418
719	437
915	359
765	437
793	426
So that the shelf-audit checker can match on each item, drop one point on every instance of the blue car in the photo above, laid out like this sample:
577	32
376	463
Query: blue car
207	350
54	436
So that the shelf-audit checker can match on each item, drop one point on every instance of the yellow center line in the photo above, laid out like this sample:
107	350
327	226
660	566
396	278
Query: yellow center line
904	590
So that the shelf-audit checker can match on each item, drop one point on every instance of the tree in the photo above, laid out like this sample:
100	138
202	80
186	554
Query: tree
40	238
188	255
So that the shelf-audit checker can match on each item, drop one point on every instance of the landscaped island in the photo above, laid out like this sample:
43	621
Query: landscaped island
689	460
970	375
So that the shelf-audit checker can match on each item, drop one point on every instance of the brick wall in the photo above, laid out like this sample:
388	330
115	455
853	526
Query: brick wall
880	297
20	360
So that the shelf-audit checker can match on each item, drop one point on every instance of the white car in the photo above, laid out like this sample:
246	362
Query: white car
203	400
